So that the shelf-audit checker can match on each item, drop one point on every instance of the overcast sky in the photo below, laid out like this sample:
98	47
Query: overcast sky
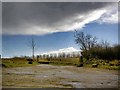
43	18
53	24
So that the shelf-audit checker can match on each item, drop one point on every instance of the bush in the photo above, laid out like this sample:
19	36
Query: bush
30	62
80	65
94	65
108	53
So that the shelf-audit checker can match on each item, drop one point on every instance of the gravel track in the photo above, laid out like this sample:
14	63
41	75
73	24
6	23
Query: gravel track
49	76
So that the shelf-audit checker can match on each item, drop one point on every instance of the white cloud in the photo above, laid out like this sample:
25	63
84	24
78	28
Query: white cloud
110	17
64	50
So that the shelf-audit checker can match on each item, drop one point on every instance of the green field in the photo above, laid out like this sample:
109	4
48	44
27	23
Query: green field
16	62
61	61
22	62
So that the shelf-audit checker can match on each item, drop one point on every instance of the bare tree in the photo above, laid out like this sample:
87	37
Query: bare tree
33	45
85	41
104	44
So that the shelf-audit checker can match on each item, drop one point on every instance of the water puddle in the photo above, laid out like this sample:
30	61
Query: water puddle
74	84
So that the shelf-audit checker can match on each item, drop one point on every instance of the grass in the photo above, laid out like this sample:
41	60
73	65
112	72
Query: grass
62	61
7	63
22	62
104	64
110	67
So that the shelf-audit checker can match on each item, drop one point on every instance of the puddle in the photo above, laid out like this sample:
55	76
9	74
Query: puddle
74	84
45	76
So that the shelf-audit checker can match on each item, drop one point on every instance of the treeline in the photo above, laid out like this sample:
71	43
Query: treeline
105	53
94	49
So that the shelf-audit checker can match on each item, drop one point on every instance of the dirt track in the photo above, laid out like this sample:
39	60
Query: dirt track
47	76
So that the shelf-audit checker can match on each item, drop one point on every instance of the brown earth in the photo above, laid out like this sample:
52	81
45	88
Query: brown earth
49	76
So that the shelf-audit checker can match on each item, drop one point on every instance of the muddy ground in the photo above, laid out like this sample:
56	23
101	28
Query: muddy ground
49	76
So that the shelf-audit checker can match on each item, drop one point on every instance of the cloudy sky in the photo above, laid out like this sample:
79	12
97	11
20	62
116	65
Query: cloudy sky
53	24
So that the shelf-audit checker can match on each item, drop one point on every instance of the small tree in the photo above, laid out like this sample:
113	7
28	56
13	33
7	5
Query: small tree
33	46
86	42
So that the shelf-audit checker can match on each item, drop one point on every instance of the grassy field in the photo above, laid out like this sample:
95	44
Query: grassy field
21	62
61	61
104	64
16	62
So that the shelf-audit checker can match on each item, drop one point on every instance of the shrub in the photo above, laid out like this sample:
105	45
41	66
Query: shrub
105	53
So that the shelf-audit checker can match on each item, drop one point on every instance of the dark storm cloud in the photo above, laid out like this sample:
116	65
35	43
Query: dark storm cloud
20	15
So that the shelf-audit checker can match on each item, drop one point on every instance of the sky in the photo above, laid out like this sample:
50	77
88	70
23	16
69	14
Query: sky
52	25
